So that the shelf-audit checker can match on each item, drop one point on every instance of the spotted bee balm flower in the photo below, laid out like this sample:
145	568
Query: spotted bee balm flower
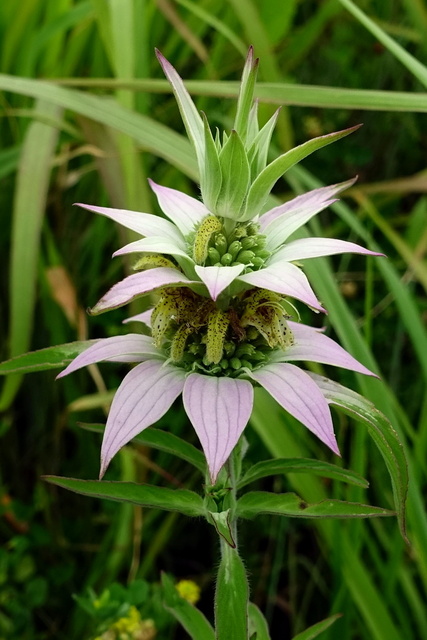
223	269
214	357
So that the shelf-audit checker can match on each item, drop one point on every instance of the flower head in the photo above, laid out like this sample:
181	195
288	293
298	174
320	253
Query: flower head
228	243
214	358
224	269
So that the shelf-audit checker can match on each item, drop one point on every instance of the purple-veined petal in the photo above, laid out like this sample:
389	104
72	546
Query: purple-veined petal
143	397
154	245
137	285
317	248
217	279
313	346
311	199
284	278
296	392
219	409
144	223
183	210
279	230
144	317
129	348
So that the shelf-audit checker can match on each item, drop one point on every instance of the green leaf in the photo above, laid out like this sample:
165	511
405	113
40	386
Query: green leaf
315	630
381	431
163	441
221	522
49	358
193	620
258	626
144	495
300	465
231	597
246	95
235	177
257	503
210	170
261	187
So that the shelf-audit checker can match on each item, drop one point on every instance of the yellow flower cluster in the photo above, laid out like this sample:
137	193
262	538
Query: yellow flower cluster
188	590
130	627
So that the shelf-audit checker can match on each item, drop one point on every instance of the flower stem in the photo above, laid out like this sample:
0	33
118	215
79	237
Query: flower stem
231	596
232	587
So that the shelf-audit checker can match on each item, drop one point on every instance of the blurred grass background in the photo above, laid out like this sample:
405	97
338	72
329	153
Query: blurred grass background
87	117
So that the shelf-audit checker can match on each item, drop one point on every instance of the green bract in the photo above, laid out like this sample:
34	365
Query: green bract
235	179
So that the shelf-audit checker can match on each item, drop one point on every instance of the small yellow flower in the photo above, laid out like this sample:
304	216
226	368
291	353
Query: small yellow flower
130	623
188	590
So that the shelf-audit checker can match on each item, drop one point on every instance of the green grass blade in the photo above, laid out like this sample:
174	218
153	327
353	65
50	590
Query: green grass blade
279	93
318	628
219	26
32	184
412	64
148	133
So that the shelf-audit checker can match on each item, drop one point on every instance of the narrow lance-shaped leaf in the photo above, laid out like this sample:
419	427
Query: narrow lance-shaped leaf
301	465
193	620
246	95
266	180
182	500
50	358
256	503
163	441
381	431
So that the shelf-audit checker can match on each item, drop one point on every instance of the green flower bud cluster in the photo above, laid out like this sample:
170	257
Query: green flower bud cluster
250	353
196	335
212	246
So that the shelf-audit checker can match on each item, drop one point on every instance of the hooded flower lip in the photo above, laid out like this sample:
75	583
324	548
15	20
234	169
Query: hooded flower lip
171	238
218	407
